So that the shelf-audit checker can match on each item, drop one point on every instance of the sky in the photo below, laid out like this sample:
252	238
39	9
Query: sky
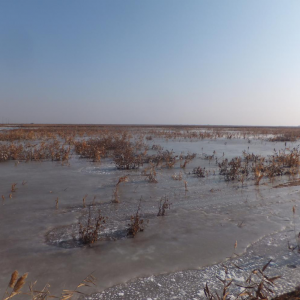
227	62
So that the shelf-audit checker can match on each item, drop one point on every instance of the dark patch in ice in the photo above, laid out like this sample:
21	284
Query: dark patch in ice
292	266
67	237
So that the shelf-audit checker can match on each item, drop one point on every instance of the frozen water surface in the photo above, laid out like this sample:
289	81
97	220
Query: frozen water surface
176	254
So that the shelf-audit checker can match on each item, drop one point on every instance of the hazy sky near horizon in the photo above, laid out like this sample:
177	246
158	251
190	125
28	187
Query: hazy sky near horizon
227	62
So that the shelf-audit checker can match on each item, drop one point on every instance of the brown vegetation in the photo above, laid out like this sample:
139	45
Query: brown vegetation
89	232
136	224
163	206
258	286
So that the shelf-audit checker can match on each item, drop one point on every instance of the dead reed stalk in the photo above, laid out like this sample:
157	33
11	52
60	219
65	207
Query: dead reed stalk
115	194
185	186
13	187
163	206
83	201
136	223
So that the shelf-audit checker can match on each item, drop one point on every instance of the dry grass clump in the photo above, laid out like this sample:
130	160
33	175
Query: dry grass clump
44	294
163	206
150	172
20	134
258	286
126	158
251	157
89	232
187	159
136	224
69	133
208	157
164	159
55	141
157	147
285	137
189	156
87	282
183	165
96	148
28	152
284	162
231	170
13	187
16	284
199	172
177	176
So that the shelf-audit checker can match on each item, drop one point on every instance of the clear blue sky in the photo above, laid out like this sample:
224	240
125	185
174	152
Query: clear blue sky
150	61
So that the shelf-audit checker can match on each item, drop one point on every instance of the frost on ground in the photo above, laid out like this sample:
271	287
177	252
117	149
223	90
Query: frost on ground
190	284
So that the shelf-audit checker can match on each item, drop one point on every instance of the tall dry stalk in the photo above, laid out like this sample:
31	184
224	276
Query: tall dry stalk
295	234
83	201
13	187
116	191
185	186
258	174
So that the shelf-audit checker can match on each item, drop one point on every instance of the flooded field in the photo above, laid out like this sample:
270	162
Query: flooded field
150	212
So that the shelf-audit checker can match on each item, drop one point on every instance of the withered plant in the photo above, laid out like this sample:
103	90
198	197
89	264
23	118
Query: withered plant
94	201
163	206
13	187
258	286
89	232
136	224
224	295
83	201
43	294
87	282
185	186
150	172
126	158
122	179
296	235
199	172
116	191
258	174
166	159
177	176
157	147
16	284
183	165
